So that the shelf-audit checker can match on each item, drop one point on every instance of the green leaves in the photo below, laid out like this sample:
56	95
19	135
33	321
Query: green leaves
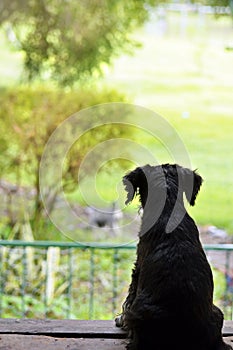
68	41
28	117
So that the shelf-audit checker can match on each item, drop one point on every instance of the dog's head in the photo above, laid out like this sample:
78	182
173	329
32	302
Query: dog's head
162	181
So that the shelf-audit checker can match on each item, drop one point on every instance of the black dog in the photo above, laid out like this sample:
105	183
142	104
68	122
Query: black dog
170	300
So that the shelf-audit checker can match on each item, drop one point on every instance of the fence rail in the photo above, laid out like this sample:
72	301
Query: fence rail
43	279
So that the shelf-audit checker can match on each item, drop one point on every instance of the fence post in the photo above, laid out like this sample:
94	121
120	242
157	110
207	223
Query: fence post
115	280
24	281
69	289
92	277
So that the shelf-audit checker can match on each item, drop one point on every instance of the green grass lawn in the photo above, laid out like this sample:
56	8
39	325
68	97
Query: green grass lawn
10	62
190	75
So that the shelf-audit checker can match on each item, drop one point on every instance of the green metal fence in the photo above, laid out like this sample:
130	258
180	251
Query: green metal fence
43	279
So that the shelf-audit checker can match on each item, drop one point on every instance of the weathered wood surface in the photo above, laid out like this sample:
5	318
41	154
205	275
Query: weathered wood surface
75	328
227	328
27	334
35	342
58	328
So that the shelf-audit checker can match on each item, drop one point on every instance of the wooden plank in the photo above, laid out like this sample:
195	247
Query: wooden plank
228	328
66	328
73	328
28	342
228	340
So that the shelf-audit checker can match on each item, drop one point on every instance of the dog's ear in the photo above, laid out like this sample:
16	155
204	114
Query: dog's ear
134	181
191	182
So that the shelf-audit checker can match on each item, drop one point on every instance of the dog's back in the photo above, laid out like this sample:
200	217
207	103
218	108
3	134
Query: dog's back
174	307
170	300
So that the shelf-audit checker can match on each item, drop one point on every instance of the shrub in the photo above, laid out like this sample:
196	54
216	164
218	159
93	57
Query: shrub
28	117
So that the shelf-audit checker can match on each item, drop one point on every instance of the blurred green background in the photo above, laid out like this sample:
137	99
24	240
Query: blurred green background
56	59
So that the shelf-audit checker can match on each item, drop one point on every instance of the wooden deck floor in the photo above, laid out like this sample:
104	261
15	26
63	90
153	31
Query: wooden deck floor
68	334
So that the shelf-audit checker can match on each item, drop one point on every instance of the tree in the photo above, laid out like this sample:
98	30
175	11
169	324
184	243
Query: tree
216	2
73	40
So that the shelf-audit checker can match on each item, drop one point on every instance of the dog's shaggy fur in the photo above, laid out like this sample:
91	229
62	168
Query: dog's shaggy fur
170	300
